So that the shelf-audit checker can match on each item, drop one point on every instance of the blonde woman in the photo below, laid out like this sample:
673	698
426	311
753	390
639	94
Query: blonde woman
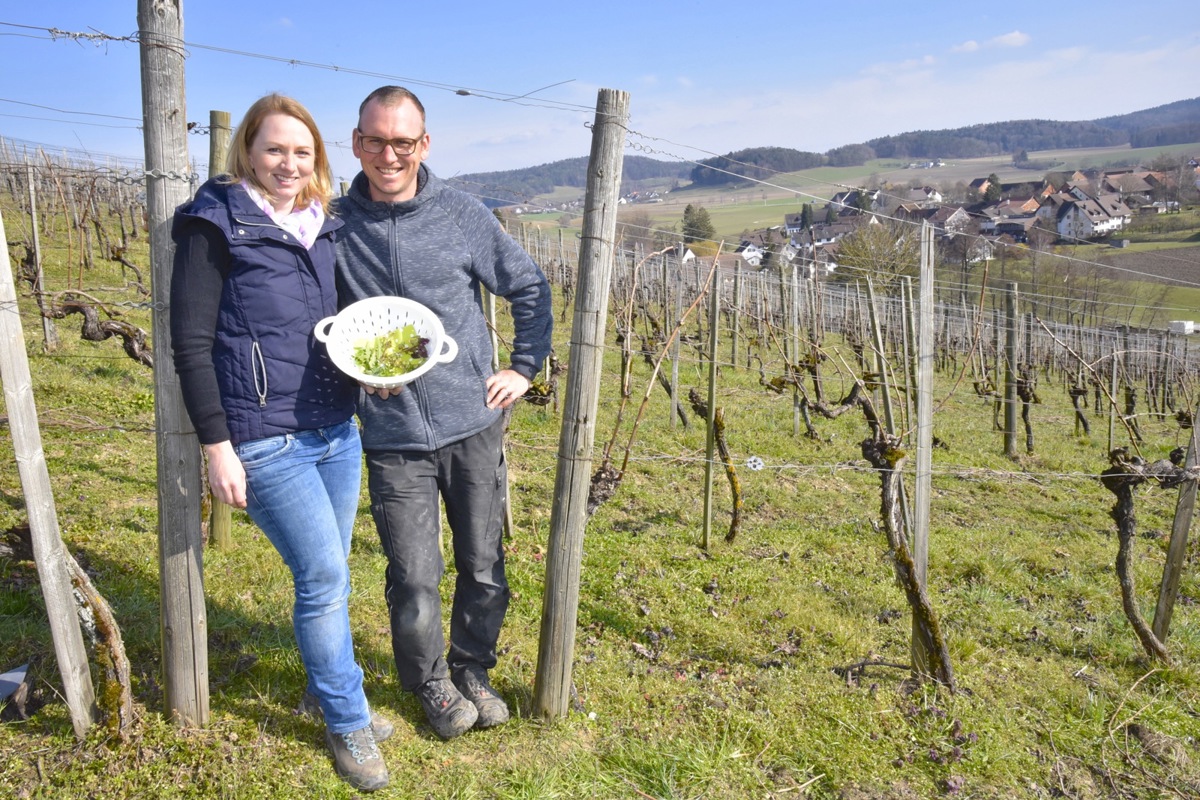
253	275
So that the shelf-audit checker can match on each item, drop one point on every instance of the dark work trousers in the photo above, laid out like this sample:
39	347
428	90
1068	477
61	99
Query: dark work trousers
405	487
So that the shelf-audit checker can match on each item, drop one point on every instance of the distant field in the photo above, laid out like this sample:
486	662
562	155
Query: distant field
756	205
1171	257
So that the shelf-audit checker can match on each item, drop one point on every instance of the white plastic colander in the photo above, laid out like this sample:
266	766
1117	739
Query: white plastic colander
379	316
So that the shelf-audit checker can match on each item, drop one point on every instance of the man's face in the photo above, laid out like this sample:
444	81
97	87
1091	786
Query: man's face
393	177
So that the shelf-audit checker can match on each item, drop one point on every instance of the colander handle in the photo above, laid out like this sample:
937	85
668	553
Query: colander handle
450	351
322	329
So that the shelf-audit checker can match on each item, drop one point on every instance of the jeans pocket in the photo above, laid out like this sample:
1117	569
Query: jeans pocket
260	452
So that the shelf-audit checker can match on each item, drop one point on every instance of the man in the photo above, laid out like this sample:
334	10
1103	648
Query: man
408	233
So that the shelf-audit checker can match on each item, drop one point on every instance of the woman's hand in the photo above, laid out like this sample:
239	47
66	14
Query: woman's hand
226	476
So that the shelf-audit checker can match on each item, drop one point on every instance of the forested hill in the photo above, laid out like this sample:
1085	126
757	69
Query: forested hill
1174	123
522	185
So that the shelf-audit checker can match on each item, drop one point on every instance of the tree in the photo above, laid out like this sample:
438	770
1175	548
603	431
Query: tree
883	251
697	226
850	155
830	214
806	216
992	193
635	227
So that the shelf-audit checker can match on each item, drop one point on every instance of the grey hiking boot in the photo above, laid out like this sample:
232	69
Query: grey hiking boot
448	711
381	726
357	758
473	683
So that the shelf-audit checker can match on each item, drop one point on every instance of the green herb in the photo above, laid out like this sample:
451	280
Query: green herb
394	353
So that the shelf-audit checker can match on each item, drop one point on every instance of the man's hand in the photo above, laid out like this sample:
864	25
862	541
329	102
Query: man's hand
384	394
505	387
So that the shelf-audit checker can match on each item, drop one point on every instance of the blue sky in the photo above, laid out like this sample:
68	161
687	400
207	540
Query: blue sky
703	77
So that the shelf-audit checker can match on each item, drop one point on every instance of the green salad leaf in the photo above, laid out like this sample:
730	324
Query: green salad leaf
394	353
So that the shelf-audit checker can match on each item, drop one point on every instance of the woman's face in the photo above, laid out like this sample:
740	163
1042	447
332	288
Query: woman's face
282	157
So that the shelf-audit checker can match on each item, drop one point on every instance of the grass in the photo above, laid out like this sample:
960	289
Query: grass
715	674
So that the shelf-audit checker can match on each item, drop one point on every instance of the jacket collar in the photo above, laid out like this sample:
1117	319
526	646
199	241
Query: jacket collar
225	204
360	194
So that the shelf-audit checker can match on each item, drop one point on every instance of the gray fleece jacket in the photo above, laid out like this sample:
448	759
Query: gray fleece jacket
438	249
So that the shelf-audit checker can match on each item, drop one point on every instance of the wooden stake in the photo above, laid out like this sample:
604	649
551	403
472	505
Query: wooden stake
568	517
1177	550
48	551
181	579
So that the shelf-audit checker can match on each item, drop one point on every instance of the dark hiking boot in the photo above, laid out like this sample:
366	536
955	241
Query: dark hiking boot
381	726
448	711
473	683
357	759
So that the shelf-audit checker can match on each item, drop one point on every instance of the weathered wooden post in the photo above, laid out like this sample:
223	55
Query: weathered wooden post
568	517
735	312
488	301
714	318
181	584
923	489
219	132
49	332
1010	371
39	506
1177	550
220	520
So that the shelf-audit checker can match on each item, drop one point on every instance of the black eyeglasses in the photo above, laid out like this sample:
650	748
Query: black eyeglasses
375	144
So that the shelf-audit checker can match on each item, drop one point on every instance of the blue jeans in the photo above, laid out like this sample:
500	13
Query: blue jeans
302	490
405	488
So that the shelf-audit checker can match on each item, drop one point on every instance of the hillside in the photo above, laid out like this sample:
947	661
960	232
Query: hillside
1173	123
521	185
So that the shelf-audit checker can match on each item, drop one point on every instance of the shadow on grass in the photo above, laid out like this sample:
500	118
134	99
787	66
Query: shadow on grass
254	668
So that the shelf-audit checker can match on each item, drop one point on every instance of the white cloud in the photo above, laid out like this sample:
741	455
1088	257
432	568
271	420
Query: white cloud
969	46
1014	39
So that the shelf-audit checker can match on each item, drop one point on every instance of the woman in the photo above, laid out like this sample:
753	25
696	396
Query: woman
253	274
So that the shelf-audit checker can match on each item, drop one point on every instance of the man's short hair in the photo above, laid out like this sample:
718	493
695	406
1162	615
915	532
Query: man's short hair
391	96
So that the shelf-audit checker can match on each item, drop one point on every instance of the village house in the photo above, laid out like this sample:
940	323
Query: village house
757	249
850	203
922	195
1078	215
822	235
949	221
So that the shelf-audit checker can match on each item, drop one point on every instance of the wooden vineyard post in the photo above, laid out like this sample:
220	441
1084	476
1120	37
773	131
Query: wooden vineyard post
1112	399
568	517
181	579
735	321
666	318
220	521
219	133
714	312
881	364
1177	550
488	301
49	332
48	550
1010	371
675	345
923	489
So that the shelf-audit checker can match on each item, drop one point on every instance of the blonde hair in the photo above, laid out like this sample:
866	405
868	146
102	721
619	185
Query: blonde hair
237	165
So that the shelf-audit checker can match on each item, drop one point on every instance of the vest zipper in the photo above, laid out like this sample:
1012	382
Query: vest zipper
257	362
